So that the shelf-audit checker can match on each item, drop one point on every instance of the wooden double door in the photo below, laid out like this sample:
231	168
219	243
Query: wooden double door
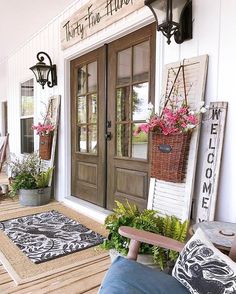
110	91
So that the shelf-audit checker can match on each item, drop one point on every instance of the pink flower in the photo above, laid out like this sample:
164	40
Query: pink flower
174	119
137	131
192	119
145	128
43	129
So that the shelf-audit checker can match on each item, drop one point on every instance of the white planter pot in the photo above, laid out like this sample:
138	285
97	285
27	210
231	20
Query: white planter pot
35	197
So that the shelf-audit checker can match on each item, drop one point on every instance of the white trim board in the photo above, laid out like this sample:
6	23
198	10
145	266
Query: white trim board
93	211
176	198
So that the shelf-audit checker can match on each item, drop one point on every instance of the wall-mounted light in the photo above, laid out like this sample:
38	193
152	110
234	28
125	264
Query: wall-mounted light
45	73
173	17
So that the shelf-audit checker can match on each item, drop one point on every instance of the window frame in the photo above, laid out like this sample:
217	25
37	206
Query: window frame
26	117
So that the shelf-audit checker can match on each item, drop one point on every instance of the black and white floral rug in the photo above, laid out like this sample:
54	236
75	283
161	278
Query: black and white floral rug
48	235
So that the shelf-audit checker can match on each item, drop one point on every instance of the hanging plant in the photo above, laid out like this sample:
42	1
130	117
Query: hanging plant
171	132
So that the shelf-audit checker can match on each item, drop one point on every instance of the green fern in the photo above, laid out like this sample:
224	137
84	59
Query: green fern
159	256
126	214
183	231
43	178
172	228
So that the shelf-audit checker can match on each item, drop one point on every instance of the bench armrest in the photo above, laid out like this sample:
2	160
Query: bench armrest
139	236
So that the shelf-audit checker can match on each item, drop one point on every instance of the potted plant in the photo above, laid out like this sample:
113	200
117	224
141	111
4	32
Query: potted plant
30	180
148	220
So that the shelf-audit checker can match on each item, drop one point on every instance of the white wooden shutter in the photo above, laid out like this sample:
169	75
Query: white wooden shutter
176	198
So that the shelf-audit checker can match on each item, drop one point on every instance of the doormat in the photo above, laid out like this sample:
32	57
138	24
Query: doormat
32	239
48	235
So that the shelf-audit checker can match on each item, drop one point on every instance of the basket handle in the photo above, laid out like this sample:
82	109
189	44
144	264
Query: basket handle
184	82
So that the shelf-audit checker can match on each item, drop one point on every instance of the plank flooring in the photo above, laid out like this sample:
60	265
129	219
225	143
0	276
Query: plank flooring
80	279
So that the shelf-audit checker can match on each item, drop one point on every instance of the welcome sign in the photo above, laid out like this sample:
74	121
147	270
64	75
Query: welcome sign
214	123
93	17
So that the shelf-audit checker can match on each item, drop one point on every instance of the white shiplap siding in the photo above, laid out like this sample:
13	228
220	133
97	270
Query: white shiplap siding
214	31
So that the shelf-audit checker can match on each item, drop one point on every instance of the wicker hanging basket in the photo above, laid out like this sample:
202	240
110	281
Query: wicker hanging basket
169	156
45	146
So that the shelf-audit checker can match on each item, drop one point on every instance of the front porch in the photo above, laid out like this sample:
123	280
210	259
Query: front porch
78	279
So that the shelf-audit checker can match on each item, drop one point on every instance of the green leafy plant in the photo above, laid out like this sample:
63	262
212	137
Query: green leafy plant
22	181
173	228
126	214
28	172
42	179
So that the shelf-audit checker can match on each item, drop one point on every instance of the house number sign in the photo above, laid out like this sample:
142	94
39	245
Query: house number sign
93	17
213	134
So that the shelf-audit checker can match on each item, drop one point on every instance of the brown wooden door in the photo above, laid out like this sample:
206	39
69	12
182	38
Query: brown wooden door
88	127
108	162
131	72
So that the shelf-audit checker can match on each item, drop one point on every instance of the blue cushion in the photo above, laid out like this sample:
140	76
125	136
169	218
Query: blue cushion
130	277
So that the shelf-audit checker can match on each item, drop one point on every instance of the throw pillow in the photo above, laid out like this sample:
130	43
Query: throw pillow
203	269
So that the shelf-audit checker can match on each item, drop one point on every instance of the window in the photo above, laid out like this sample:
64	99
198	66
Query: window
27	116
132	96
87	97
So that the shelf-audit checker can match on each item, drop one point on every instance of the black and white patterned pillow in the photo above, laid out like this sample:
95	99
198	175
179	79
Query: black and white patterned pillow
203	269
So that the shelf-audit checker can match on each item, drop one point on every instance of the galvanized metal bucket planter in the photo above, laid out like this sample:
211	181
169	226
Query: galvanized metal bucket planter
35	197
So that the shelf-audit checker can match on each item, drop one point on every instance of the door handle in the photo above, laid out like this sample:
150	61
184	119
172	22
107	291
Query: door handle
108	136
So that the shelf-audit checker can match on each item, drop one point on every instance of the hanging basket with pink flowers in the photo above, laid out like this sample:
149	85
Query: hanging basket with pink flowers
171	133
169	156
45	132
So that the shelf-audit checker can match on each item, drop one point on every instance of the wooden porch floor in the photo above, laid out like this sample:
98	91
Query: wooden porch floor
86	279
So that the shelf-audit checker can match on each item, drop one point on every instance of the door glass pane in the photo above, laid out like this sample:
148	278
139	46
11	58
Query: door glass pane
92	139
27	135
92	77
82	139
92	100
82	109
141	62
122	103
82	79
139	143
124	66
122	140
140	101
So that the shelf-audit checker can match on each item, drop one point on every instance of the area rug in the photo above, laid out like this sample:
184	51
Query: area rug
48	235
37	242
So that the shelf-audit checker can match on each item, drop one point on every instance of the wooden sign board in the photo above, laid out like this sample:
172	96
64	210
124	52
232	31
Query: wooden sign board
214	123
93	17
53	112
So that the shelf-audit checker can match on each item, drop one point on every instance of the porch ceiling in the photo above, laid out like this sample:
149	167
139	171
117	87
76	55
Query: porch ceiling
21	19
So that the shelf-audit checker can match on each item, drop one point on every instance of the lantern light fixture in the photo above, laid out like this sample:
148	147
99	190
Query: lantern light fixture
45	73
173	17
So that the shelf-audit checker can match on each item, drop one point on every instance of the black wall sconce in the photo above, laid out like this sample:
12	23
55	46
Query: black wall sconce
173	17
45	73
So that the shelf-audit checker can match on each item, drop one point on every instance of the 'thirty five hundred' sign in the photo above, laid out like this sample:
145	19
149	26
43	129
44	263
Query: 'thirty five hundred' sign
93	17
